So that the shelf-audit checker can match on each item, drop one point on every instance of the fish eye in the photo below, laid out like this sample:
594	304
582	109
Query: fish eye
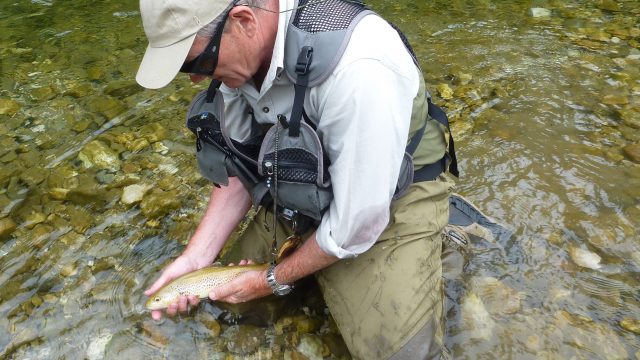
156	299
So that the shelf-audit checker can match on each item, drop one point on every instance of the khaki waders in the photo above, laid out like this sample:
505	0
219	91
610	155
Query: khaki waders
388	301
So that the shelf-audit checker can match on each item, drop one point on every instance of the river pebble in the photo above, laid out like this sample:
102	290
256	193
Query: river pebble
539	12
630	324
8	107
311	346
7	226
632	152
95	350
243	339
585	258
133	194
476	319
97	153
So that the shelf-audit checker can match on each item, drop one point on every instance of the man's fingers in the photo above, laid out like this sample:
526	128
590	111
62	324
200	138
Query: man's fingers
172	309
156	314
193	300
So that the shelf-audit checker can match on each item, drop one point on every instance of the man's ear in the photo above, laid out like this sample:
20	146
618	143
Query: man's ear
245	19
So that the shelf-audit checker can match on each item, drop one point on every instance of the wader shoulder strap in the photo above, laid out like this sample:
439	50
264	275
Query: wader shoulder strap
431	171
300	86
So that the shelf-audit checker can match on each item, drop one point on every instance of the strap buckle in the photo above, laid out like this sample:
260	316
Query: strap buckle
304	60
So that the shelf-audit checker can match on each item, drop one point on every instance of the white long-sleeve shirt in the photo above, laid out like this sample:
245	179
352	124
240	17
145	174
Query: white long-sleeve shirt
363	111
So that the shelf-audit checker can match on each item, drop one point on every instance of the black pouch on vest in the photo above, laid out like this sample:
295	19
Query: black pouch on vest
303	180
215	159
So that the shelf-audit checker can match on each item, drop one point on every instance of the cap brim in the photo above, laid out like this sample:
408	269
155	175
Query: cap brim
161	64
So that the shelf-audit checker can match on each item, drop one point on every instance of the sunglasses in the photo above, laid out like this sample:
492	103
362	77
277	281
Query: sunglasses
206	62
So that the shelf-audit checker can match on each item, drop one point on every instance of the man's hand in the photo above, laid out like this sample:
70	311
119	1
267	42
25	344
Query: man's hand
178	267
247	286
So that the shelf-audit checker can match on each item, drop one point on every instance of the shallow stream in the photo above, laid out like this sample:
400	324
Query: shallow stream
544	97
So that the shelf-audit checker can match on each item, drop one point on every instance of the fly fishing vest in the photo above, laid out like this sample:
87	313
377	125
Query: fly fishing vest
287	161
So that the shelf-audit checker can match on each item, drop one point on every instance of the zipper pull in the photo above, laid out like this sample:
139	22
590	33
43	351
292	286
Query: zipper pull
198	143
269	166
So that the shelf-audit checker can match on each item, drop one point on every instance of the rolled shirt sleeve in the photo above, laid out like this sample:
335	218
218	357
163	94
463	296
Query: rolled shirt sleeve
365	111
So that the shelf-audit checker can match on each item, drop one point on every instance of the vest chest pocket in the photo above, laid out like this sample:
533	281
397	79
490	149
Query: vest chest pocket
299	166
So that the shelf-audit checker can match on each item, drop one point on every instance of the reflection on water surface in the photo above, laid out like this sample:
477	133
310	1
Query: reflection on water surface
545	99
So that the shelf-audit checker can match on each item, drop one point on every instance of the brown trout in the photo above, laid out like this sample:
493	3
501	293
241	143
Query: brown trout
199	283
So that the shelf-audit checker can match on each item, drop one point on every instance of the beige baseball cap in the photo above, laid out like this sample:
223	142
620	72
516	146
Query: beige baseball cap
171	27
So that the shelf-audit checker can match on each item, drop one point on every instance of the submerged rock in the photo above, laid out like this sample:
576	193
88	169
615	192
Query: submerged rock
632	325
7	226
445	91
97	153
632	152
96	348
134	193
585	258
243	339
539	12
8	106
159	203
476	319
311	347
498	297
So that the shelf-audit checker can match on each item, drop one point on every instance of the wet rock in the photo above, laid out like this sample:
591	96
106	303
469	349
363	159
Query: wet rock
95	73
169	182
154	132
106	106
336	345
81	125
34	219
444	91
8	157
97	153
539	12
138	145
42	93
33	176
311	347
632	325
78	89
243	339
585	258
160	203
50	298
151	329
69	269
210	322
294	355
7	226
8	107
497	297
98	344
122	88
133	194
476	319
630	117
609	5
615	100
632	152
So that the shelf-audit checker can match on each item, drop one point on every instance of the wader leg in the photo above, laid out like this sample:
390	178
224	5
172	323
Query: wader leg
388	301
255	241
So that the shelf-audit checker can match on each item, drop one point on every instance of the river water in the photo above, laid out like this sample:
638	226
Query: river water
98	186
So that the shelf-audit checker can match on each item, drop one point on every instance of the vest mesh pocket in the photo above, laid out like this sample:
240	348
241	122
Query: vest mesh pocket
294	165
312	15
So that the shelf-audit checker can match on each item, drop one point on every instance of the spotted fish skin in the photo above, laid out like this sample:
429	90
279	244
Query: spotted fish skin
198	283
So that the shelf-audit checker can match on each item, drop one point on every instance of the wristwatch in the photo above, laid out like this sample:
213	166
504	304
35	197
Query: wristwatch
278	289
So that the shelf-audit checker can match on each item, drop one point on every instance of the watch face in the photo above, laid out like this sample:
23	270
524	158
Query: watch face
283	290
